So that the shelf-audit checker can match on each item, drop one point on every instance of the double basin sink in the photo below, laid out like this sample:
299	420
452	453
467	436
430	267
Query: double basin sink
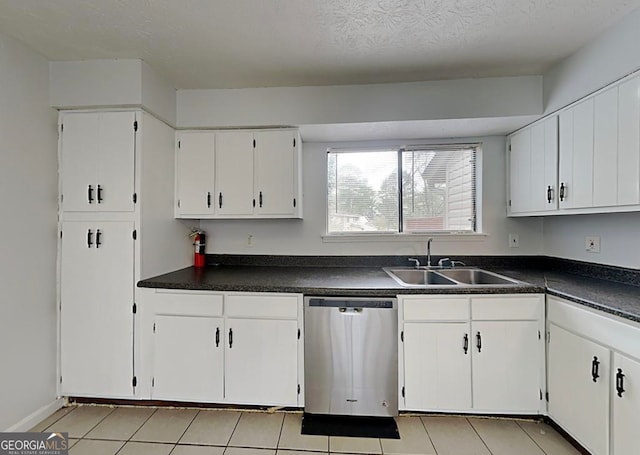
428	277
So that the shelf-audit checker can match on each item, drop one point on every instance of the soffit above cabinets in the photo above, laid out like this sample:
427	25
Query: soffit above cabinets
254	43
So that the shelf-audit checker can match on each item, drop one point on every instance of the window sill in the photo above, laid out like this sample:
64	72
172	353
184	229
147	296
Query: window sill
393	237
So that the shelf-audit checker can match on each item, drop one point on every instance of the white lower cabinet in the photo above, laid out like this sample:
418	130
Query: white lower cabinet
594	377
237	348
261	362
506	366
579	372
625	405
96	309
188	358
473	354
437	372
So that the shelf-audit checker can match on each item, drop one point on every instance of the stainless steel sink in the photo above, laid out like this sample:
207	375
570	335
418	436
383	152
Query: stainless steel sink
425	277
418	277
477	276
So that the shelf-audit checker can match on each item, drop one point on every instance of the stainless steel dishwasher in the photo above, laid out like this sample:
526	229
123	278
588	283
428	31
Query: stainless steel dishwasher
351	356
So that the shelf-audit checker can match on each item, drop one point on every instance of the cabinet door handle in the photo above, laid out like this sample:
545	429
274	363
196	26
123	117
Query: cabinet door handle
479	341
260	199
230	338
99	194
595	367
90	194
89	238
620	382
563	189
208	199
220	199
549	194
465	343
217	336
98	237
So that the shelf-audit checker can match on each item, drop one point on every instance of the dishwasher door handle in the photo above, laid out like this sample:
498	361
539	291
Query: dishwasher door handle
349	310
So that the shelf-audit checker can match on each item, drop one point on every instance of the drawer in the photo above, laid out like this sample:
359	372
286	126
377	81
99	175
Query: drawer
276	306
436	309
187	303
509	307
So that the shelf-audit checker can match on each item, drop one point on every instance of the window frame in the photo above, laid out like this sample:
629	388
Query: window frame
401	234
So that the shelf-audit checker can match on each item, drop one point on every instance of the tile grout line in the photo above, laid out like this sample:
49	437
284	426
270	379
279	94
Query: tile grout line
185	431
99	422
235	427
530	437
426	430
135	432
476	432
61	417
284	416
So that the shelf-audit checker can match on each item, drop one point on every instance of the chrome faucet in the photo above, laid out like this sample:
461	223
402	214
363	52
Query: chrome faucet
416	262
429	251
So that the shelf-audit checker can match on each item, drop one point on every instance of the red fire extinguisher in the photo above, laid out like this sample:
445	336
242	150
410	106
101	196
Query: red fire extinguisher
199	244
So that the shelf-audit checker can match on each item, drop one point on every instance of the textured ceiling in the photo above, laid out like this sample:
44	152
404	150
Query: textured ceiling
258	43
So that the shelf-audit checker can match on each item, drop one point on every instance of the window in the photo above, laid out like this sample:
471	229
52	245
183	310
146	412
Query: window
428	189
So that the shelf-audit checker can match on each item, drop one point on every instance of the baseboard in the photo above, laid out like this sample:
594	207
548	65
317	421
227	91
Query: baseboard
36	417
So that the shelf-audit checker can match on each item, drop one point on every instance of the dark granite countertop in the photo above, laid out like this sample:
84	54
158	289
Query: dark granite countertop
609	296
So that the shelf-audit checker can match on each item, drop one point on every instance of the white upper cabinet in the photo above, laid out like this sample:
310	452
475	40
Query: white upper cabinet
576	156
589	162
234	173
605	149
97	156
238	174
629	142
276	161
534	168
195	161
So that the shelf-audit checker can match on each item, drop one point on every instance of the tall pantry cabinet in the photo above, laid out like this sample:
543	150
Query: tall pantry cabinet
116	210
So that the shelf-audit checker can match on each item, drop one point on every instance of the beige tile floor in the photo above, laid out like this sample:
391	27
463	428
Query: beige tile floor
101	430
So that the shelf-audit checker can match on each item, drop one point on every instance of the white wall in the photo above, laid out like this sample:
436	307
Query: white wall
450	99
564	236
111	83
28	234
610	57
304	237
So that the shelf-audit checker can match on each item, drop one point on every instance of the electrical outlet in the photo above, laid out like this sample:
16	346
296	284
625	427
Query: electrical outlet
514	240
250	240
592	244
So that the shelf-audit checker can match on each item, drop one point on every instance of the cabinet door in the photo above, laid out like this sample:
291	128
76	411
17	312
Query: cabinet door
98	161
626	405
578	385
261	362
97	287
576	155
549	199
275	172
520	172
78	160
506	366
116	162
234	173
605	149
188	358
629	142
195	174
437	367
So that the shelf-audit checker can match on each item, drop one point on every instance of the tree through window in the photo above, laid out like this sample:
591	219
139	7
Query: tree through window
434	186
